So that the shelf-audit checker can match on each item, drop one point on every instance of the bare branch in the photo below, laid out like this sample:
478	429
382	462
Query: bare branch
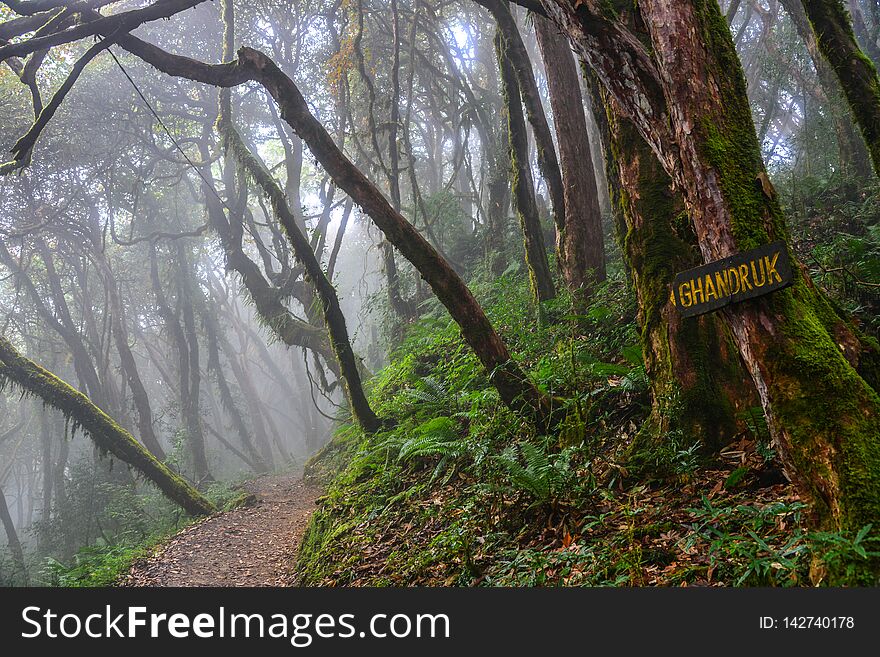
123	22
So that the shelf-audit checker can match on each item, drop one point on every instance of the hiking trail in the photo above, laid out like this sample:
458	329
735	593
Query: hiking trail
254	545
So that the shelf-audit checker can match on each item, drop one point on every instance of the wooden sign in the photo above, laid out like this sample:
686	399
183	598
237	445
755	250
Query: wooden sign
737	278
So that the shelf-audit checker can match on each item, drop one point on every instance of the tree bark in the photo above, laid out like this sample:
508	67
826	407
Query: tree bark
106	434
521	179
580	240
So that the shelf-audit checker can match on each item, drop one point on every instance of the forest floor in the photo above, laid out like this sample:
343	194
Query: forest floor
253	545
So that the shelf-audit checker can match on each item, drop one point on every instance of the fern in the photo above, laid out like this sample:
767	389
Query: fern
543	476
436	437
430	394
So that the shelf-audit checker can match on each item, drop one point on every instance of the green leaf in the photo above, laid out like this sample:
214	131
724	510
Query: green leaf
735	477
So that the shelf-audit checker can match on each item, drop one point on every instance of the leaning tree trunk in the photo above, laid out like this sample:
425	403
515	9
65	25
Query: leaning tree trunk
579	241
521	178
858	77
514	387
333	317
107	435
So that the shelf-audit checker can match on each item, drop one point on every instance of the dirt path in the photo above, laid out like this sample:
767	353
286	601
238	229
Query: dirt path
250	546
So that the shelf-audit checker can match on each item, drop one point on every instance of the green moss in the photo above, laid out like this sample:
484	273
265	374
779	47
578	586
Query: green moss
659	243
107	435
857	74
831	395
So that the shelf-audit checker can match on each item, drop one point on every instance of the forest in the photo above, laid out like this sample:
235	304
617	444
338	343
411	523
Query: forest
440	293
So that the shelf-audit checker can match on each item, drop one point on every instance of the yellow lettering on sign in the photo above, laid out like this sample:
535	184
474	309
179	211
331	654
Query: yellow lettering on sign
744	277
771	268
710	288
722	283
755	273
697	289
684	293
734	276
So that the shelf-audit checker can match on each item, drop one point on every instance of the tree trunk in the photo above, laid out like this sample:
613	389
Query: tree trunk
856	73
853	154
580	241
521	178
12	539
513	385
518	57
106	434
333	317
803	358
47	467
868	43
697	381
191	411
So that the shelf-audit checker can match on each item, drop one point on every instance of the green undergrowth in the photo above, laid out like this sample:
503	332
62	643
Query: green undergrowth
460	492
106	561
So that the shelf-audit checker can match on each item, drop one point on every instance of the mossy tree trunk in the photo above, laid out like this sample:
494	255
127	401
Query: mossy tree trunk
267	299
107	435
813	371
687	361
857	75
803	358
333	317
580	245
521	178
867	40
853	154
698	384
